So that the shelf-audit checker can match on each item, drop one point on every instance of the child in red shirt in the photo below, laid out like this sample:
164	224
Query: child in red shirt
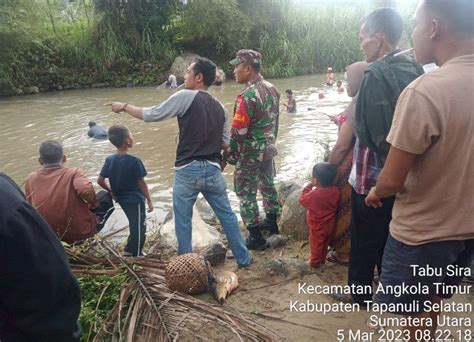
322	203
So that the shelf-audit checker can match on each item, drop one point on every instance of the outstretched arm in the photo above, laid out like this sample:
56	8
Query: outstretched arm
118	107
176	105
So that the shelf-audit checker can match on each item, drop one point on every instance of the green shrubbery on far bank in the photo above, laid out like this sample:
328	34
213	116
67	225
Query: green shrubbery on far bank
58	44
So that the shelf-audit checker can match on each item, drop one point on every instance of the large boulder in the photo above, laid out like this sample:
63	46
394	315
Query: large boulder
293	218
33	90
180	65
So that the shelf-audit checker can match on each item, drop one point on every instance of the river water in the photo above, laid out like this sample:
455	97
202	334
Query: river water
63	116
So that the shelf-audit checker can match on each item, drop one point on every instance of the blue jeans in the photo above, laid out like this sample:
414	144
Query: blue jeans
203	177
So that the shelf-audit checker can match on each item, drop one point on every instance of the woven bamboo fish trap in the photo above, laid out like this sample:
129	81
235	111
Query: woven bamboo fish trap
189	273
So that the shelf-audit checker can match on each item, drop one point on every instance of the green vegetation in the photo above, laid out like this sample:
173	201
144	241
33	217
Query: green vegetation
58	44
100	294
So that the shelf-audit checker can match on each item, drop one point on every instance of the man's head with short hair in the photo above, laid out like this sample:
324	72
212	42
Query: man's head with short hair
51	152
207	68
339	83
380	32
289	92
441	27
118	135
325	174
92	123
457	14
200	74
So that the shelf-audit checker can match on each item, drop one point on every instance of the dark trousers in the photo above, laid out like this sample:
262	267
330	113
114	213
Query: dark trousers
369	232
105	208
136	220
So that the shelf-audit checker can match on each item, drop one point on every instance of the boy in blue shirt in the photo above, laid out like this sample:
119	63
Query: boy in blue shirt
127	184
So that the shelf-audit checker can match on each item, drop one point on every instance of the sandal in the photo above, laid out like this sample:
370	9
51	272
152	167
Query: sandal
331	257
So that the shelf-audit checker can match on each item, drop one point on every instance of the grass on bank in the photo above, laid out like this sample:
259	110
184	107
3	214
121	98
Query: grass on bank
54	46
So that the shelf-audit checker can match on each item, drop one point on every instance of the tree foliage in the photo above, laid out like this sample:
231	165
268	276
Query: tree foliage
21	26
215	28
53	43
135	27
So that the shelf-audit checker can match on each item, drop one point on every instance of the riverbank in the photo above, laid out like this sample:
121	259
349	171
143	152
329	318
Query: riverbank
49	46
57	78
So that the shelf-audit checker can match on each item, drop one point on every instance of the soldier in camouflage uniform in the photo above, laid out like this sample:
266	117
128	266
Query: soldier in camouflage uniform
252	147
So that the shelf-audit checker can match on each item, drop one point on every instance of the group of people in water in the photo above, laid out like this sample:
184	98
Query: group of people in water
395	192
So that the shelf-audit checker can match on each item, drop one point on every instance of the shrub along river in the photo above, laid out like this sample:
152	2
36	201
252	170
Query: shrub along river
64	116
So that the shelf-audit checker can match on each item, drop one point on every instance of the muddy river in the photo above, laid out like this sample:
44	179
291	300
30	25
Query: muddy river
63	116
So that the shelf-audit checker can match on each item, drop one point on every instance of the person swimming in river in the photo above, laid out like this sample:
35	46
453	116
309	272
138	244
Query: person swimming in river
329	77
340	87
218	80
291	104
97	132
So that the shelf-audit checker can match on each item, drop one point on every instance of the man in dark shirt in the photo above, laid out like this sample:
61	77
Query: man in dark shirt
40	299
384	79
203	133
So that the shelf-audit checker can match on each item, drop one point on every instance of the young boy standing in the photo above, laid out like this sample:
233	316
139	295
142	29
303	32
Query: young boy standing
127	184
321	198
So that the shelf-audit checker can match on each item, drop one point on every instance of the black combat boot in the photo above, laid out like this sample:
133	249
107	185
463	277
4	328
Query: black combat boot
255	241
270	224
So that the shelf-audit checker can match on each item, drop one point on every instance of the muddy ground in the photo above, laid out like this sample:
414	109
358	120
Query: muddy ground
264	295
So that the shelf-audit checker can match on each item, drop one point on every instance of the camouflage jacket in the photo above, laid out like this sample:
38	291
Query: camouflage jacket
254	124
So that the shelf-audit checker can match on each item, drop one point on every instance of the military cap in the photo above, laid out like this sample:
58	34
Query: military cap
249	56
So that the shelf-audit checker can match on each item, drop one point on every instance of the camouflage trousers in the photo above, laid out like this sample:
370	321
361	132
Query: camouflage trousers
248	178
